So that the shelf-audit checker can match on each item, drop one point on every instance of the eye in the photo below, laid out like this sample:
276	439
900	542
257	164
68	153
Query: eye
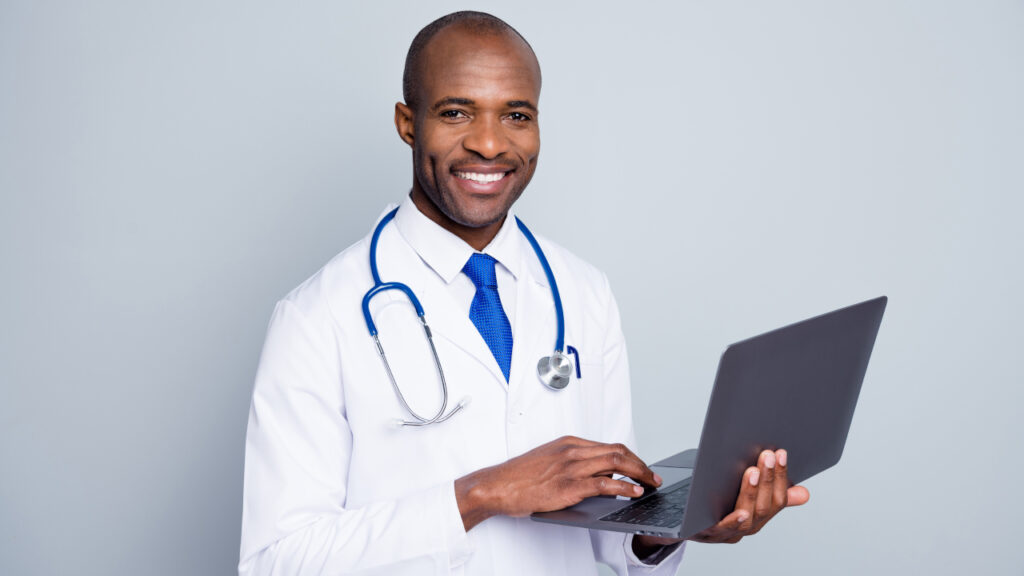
519	117
453	114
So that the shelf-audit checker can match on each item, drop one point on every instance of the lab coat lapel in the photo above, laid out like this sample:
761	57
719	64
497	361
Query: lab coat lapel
443	314
535	328
446	320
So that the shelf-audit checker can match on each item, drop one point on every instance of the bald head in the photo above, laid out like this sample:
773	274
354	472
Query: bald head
468	21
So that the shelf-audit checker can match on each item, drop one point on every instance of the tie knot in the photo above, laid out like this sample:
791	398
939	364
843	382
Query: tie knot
480	269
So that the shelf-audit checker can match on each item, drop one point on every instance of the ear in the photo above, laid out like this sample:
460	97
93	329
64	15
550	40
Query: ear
404	122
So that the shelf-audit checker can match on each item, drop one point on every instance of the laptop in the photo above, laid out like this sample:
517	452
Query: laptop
793	388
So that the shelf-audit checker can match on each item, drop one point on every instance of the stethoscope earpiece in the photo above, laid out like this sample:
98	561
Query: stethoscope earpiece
555	371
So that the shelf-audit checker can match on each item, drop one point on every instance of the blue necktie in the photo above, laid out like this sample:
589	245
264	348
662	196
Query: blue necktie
486	312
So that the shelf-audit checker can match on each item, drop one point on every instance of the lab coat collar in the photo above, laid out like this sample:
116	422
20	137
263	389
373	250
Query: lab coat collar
446	254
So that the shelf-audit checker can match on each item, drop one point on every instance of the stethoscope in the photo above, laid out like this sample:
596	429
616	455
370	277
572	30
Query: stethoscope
554	371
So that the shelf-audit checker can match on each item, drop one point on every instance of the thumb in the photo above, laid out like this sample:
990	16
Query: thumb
797	496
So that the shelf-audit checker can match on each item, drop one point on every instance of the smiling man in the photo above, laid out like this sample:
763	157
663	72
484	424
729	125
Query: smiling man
333	485
471	89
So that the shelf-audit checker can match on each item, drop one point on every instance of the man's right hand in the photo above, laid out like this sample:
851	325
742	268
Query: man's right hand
550	477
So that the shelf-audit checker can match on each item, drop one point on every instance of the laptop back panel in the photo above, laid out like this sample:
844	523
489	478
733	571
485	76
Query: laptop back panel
794	388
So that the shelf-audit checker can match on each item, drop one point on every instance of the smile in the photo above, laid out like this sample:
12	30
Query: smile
481	178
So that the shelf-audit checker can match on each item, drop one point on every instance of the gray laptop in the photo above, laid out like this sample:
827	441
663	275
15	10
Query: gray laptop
793	388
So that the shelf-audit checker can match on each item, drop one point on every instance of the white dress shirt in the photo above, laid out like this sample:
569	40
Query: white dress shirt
333	487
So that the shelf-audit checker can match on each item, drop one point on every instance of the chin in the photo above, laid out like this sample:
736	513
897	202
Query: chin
477	214
477	218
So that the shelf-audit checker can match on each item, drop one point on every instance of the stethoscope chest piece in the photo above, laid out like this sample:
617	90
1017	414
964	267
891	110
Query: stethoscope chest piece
555	371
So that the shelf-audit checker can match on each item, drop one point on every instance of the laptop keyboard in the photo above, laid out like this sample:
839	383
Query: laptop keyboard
663	509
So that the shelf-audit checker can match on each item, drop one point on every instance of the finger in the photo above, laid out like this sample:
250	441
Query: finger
779	494
605	486
797	496
653	480
728	529
571	441
747	499
616	463
763	508
734	522
625	451
612	459
649	480
596	449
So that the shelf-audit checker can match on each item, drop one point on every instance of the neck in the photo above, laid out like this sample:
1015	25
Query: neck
478	238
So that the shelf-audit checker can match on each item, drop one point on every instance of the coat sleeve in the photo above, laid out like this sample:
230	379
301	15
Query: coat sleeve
613	548
298	446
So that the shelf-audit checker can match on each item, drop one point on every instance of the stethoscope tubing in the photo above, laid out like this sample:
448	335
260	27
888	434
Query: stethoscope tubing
559	315
379	286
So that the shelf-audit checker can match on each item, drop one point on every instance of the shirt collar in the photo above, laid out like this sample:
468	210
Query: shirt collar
446	253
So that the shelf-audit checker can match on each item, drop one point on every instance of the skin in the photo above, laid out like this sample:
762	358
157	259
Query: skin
477	112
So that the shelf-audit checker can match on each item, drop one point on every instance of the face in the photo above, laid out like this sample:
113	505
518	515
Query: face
474	131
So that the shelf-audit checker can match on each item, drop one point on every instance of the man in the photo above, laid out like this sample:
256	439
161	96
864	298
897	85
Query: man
332	486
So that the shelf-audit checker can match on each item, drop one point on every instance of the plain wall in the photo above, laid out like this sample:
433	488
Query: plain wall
168	170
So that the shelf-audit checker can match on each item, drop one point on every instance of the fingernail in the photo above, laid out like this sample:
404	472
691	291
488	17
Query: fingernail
769	460
754	477
657	480
638	490
782	457
741	517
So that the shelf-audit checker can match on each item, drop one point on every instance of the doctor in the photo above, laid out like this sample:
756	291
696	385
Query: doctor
334	486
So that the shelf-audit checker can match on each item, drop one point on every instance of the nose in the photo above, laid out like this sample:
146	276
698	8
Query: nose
486	137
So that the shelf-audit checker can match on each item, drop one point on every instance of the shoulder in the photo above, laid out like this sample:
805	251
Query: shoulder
562	258
577	279
342	278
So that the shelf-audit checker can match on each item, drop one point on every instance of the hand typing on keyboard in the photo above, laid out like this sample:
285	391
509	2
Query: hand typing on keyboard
550	477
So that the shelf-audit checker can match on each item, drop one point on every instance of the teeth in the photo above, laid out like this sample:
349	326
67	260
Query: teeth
482	178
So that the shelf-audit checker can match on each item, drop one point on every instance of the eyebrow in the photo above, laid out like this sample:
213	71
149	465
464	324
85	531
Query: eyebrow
453	101
522	104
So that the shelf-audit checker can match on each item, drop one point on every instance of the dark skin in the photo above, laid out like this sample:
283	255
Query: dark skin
476	115
475	142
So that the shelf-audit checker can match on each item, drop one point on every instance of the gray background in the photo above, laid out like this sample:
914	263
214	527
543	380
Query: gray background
168	170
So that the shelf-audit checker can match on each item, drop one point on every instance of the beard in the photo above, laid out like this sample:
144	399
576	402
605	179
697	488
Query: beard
443	188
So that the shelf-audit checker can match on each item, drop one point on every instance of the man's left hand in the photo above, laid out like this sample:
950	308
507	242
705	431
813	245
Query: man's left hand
764	492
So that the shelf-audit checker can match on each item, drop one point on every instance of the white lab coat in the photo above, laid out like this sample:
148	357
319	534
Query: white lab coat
333	487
